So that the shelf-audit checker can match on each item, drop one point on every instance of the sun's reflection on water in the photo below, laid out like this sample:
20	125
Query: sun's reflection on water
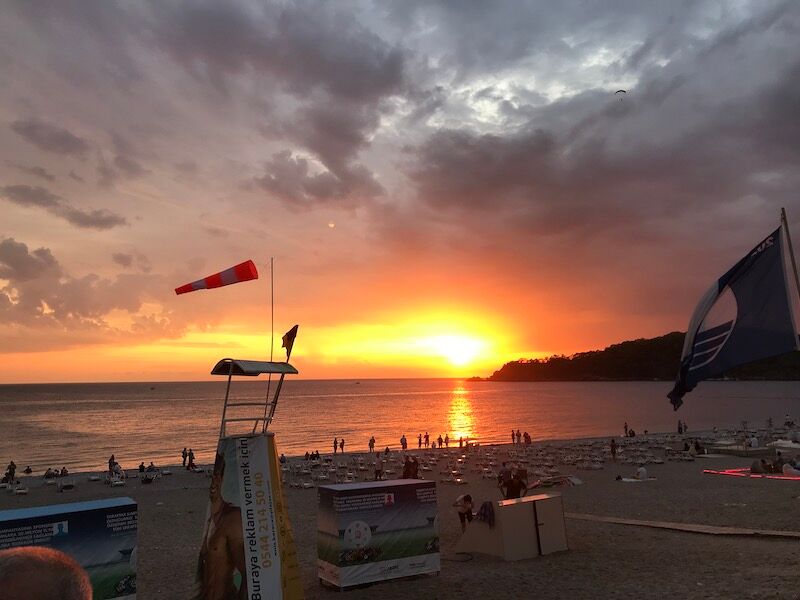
460	419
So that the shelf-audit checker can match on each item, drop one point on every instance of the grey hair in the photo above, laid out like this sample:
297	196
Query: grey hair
68	577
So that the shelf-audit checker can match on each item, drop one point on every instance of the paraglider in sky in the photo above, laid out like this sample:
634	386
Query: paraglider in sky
622	93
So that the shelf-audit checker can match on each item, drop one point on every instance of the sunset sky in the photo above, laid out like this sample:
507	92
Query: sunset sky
445	186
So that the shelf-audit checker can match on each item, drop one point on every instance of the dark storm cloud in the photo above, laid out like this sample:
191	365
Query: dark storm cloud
106	176
340	70
691	137
26	195
128	166
289	178
122	259
124	165
303	47
39	294
335	134
51	138
36	171
34	196
19	265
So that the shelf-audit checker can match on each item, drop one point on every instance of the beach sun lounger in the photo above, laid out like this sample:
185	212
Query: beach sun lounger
66	485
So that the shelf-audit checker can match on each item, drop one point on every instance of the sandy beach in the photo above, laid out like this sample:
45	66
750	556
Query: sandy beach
605	560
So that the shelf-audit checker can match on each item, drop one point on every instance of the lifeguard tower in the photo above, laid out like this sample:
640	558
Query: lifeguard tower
258	413
246	479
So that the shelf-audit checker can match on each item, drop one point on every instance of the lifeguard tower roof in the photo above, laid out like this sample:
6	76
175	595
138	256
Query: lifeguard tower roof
251	368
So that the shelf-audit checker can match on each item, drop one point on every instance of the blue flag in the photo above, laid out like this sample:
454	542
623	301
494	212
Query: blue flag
745	316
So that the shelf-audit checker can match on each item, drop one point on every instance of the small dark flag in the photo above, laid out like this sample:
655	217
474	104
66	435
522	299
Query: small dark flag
288	341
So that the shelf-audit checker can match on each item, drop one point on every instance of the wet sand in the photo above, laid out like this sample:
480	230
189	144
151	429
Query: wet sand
605	560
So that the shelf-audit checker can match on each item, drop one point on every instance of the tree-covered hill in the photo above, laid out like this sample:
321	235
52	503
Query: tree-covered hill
636	360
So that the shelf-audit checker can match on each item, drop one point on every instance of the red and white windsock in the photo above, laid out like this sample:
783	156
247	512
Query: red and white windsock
241	272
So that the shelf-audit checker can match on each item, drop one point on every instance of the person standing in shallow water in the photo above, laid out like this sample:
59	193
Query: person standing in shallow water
341	446
184	455
419	441
513	436
427	439
335	445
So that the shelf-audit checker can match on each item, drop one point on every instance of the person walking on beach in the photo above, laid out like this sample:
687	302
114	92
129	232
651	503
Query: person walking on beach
427	439
461	442
519	438
378	466
184	455
446	440
419	441
514	487
404	442
191	464
464	506
613	449
440	440
341	446
680	427
626	429
513	436
335	445
371	443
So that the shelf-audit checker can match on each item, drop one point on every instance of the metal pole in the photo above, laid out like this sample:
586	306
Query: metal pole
271	337
225	406
274	403
785	225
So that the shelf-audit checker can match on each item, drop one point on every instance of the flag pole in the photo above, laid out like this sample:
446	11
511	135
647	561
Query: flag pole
785	224
271	336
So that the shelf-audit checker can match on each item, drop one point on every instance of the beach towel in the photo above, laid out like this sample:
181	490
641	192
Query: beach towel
745	472
486	513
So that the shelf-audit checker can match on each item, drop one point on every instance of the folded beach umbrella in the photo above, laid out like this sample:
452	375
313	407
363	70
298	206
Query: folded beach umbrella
242	272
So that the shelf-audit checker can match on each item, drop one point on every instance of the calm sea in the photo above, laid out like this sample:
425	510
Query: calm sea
80	425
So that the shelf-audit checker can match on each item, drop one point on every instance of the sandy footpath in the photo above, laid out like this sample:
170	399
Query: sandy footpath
604	561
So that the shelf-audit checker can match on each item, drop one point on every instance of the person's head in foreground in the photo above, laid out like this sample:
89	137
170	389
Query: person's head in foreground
39	573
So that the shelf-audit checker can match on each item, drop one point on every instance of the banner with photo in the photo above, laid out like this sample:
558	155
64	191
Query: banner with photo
247	551
376	531
99	534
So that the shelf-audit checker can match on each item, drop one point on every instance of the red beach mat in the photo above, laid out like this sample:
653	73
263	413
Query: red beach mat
745	472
